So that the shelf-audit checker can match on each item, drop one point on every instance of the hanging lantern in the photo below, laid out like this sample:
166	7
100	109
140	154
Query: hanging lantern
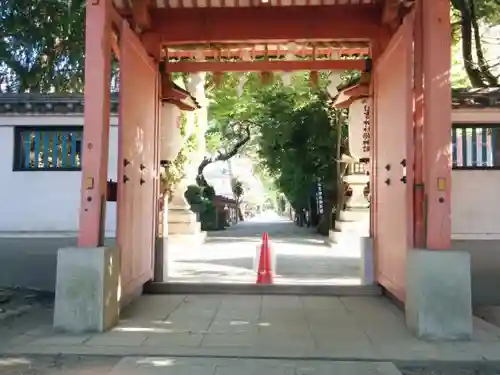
314	78
266	78
170	131
359	128
335	79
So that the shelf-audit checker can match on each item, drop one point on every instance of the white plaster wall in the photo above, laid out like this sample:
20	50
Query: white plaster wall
44	201
471	116
475	204
49	201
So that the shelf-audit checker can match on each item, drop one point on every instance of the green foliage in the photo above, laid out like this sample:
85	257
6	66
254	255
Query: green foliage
42	50
42	45
294	144
237	188
209	218
193	194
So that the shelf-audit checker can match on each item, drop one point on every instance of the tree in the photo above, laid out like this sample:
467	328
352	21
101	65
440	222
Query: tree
238	191
242	135
471	16
293	144
42	46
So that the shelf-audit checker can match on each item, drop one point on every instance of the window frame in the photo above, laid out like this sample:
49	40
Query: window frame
17	159
475	125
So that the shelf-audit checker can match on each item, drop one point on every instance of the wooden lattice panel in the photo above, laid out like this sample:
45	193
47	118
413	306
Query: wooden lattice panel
120	4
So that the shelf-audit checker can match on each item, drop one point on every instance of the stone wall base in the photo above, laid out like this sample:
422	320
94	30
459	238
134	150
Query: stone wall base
87	289
438	294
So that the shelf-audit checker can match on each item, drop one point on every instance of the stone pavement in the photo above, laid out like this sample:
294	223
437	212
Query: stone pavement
205	366
265	327
72	365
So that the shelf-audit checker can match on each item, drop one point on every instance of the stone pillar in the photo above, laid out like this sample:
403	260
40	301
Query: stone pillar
161	244
355	219
87	282
182	222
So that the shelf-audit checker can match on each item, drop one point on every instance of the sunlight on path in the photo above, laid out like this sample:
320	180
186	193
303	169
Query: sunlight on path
301	255
268	216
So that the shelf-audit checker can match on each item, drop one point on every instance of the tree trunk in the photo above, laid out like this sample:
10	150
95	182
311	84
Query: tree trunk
479	75
483	65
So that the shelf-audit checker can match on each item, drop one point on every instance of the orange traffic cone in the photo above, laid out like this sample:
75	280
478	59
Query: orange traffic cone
265	273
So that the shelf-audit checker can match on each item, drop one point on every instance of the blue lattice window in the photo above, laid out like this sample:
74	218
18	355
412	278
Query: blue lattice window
475	146
48	148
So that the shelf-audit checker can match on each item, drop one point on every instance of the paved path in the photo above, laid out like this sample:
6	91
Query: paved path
302	256
190	366
104	365
266	327
30	262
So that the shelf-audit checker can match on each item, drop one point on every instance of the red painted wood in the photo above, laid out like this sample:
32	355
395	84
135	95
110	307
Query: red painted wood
96	130
264	66
205	25
437	120
419	203
393	119
138	145
238	52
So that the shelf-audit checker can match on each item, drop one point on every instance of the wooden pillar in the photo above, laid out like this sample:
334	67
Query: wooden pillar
377	48
437	121
96	130
419	239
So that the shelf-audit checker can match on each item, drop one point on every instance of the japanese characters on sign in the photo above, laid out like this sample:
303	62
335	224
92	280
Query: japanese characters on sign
366	127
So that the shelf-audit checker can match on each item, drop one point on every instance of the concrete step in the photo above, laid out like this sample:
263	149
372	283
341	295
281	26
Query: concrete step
182	217
184	228
352	226
275	289
354	215
187	239
338	237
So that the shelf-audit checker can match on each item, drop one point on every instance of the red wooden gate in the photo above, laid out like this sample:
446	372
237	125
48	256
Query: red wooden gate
138	162
393	127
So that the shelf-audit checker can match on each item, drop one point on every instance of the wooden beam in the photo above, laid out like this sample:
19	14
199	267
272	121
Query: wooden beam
116	19
264	66
140	14
390	12
259	24
115	47
238	52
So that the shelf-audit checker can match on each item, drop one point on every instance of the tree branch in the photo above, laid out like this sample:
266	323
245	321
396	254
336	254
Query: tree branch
224	156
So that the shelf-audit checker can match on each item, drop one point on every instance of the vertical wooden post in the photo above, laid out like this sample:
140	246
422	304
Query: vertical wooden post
437	121
377	48
418	195
96	130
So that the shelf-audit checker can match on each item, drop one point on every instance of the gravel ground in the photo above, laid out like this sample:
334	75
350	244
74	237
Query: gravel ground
102	365
481	368
22	311
56	365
